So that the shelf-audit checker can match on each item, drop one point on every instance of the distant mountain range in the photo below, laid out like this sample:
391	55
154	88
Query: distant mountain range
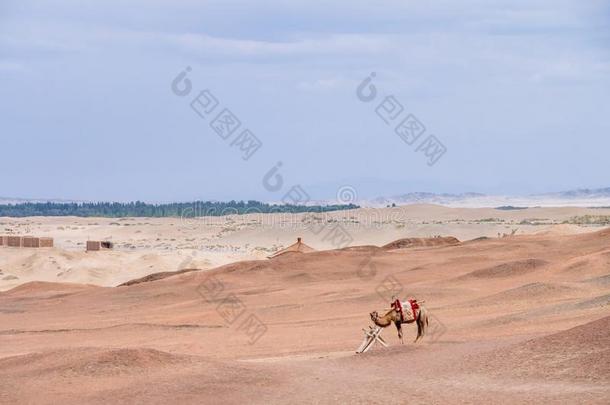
421	198
12	200
583	197
599	197
582	193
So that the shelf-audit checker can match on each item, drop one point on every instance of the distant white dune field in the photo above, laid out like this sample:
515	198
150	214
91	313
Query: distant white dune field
144	246
589	198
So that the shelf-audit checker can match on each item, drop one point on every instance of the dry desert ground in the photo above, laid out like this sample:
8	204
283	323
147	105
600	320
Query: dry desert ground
520	309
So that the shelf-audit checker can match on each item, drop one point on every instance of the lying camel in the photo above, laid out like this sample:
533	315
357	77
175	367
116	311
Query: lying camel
394	316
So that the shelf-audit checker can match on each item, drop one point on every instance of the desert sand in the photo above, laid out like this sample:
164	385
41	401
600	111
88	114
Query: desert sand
149	245
522	318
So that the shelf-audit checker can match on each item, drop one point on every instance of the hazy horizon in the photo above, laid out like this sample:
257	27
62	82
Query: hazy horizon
332	199
515	91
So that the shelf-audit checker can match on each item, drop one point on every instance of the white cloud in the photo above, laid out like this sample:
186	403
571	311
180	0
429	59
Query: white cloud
326	84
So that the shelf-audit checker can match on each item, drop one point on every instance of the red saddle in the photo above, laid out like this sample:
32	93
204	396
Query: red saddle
397	305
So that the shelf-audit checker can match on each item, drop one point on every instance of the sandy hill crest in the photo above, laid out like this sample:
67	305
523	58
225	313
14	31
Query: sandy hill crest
582	353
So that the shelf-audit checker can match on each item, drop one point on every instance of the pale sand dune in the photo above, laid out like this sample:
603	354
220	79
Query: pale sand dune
150	245
521	330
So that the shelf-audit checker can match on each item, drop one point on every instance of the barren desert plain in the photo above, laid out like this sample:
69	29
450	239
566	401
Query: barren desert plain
519	308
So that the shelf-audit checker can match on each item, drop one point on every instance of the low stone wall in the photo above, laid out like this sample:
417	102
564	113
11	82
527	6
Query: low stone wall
30	242
14	241
25	241
93	245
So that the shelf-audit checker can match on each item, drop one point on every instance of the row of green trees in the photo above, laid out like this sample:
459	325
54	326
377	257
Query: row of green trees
141	209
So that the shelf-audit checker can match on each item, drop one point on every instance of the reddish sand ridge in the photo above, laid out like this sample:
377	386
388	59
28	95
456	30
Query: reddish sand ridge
519	319
151	245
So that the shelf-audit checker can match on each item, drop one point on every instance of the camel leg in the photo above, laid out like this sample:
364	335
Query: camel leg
423	320
418	332
399	329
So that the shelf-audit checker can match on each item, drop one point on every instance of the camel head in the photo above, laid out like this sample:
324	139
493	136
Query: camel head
374	316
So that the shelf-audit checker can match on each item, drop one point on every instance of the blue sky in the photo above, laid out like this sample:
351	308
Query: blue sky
517	92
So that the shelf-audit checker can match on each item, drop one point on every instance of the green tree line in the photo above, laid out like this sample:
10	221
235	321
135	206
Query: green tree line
142	209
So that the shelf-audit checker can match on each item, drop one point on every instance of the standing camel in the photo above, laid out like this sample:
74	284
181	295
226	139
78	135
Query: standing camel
397	317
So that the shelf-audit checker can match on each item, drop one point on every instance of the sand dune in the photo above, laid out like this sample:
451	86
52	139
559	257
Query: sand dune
92	362
527	294
579	353
601	280
502	312
145	246
509	269
422	242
